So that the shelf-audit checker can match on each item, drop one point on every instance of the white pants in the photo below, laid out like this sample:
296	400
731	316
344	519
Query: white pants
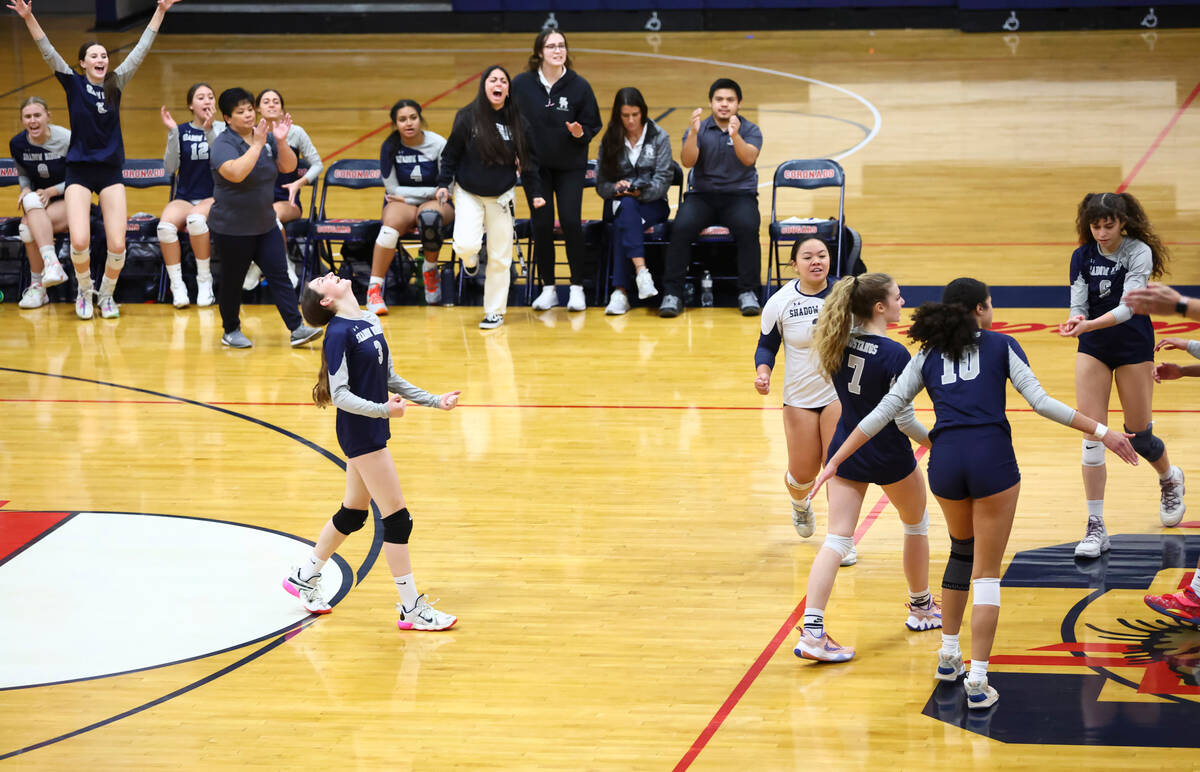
473	216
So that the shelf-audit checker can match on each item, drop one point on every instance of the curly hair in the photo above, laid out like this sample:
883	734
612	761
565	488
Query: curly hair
1126	209
950	325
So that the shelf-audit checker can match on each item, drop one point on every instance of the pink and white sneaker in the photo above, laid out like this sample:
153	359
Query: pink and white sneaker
424	616
924	617
308	591
822	648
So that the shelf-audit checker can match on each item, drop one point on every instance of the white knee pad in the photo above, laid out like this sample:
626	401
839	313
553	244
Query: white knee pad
839	544
987	591
197	224
31	201
918	529
1093	453
388	237
799	487
25	234
79	258
167	233
115	260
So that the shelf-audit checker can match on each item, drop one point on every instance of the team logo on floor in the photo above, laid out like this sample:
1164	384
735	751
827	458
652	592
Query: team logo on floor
1108	670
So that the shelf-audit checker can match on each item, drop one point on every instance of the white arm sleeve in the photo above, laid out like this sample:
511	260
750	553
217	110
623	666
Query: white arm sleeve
1141	263
1043	404
907	386
344	399
1079	296
171	154
1193	348
308	152
128	67
907	422
51	56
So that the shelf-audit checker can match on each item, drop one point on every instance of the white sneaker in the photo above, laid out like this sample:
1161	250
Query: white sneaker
253	277
424	616
576	301
53	274
645	284
204	291
308	591
83	305
979	694
851	558
618	303
547	300
1172	507
108	307
949	666
803	519
179	295
1095	540
33	297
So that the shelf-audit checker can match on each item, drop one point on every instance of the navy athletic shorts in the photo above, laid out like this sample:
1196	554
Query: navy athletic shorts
94	177
1128	343
885	459
971	462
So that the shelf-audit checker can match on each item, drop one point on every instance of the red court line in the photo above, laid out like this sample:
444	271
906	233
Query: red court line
426	103
769	651
1034	659
1088	646
1158	140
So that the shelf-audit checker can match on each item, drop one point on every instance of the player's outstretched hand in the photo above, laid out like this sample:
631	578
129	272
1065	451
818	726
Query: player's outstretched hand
1153	299
167	120
395	405
762	383
259	135
1118	442
1171	343
1167	371
449	400
166	4
828	471
1072	327
24	9
280	127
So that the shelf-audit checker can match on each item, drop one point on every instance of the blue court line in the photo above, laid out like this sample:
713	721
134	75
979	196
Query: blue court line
368	562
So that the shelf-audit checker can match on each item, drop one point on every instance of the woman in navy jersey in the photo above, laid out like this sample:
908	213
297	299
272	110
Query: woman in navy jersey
356	377
186	156
854	351
40	154
408	166
269	104
488	144
97	152
972	468
810	403
1119	252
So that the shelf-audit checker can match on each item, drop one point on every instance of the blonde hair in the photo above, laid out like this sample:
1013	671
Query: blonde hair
852	297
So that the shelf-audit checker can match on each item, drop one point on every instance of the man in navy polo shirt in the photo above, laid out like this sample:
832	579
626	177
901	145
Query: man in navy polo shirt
721	151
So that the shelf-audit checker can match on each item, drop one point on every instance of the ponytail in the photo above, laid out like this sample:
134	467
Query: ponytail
318	316
852	298
950	325
320	392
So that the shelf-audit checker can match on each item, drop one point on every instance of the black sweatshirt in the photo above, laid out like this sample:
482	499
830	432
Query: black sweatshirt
570	100
461	163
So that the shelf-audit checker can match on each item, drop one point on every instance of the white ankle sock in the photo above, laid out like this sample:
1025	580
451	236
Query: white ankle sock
950	644
978	670
107	285
814	621
1167	474
48	255
428	266
376	280
34	278
175	273
311	568
203	269
922	598
408	591
1096	509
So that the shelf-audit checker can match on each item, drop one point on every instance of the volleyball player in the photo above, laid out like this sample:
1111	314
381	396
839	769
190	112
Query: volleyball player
40	155
408	165
488	144
853	350
810	402
96	153
269	104
1119	251
356	377
972	468
187	156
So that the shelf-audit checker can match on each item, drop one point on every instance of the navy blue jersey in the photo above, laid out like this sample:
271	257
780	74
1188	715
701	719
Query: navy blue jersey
870	365
95	122
43	165
972	391
1106	277
194	181
356	354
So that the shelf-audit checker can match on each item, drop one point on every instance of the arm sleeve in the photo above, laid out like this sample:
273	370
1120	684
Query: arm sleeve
1193	348
171	154
214	131
344	399
398	385
23	177
907	421
1141	263
907	386
1027	383
768	347
51	56
128	67
1079	288
309	153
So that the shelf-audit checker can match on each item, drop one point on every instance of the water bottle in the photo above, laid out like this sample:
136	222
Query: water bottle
689	292
706	293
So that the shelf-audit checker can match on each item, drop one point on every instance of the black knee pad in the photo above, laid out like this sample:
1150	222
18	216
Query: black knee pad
1146	445
429	223
958	567
397	527
347	520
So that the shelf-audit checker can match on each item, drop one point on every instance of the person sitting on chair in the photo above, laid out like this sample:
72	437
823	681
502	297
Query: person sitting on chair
721	150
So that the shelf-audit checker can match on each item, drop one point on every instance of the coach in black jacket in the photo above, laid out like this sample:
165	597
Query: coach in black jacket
561	110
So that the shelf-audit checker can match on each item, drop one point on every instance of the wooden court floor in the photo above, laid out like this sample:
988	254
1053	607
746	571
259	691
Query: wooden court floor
605	511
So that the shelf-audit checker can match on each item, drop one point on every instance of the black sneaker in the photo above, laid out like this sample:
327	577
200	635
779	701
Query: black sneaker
491	321
670	307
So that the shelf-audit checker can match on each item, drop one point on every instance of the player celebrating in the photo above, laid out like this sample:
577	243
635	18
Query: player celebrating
96	153
356	376
863	363
187	153
1119	252
972	468
40	154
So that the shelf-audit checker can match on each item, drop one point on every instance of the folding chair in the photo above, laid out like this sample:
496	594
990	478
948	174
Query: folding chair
657	235
713	234
12	271
808	174
141	231
593	233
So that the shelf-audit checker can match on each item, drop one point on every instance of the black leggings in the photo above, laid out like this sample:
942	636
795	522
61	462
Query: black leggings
266	249
565	186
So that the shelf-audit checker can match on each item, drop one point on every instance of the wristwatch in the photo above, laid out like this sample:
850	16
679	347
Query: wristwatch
1182	306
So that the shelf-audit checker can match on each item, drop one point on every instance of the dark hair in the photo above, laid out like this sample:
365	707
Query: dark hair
950	325
724	83
612	144
194	88
539	43
318	316
482	120
852	297
231	98
111	92
264	92
393	141
801	242
1125	208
